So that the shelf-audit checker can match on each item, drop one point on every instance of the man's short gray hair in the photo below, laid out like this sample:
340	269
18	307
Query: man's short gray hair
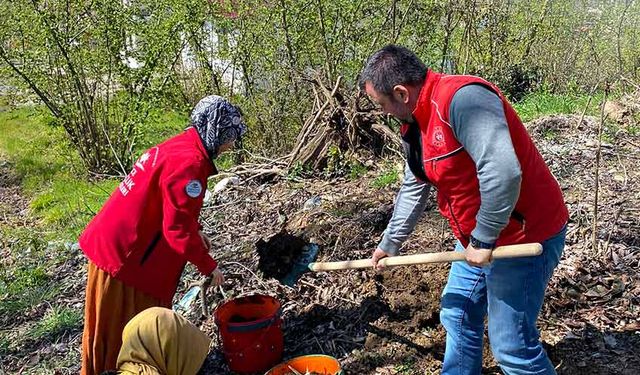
390	66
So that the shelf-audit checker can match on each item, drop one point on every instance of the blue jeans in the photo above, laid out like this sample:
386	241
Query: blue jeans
511	292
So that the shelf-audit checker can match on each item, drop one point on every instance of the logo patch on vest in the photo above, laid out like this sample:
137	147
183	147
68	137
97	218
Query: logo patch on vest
438	137
193	188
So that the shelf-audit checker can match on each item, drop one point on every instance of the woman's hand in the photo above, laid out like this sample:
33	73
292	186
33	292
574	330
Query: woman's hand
217	277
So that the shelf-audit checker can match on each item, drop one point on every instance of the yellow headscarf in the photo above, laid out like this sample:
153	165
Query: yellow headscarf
158	341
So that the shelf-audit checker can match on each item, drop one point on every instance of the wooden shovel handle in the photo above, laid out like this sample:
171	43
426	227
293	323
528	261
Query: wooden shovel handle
509	251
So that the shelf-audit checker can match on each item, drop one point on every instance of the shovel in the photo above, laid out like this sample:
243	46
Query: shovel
306	263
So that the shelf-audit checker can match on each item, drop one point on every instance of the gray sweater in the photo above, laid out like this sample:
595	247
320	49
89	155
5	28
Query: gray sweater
479	123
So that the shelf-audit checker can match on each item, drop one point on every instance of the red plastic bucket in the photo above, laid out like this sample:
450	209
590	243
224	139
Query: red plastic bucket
251	333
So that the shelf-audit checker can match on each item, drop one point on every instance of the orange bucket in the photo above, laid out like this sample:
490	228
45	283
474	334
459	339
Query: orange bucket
315	363
250	331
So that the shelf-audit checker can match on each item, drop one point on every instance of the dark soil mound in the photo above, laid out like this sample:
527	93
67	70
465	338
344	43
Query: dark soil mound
277	255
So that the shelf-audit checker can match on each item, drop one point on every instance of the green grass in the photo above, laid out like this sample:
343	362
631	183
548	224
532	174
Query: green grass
356	170
543	103
25	271
225	161
5	344
159	126
405	368
55	323
62	197
30	314
23	289
388	177
340	212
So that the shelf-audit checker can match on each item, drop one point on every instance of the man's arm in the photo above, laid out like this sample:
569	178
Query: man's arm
410	203
479	123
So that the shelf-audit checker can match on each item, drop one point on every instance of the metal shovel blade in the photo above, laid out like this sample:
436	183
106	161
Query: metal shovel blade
301	264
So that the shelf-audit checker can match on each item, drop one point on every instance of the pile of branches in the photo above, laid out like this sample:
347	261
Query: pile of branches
341	129
339	123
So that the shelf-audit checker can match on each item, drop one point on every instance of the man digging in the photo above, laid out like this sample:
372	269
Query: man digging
463	137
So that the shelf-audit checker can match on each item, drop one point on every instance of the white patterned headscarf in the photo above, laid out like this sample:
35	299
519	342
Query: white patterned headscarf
217	122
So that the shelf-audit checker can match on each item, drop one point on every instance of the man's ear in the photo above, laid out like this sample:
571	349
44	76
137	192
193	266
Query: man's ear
401	93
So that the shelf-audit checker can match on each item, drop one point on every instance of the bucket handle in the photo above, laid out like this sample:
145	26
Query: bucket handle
257	325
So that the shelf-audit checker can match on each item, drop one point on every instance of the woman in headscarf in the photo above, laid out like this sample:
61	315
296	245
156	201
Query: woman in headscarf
158	341
140	241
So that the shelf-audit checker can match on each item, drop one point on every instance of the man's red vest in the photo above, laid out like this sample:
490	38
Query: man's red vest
148	229
540	211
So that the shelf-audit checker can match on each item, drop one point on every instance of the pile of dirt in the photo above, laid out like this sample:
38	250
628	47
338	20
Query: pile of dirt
278	254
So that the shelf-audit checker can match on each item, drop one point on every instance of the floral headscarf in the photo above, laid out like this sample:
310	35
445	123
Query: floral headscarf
217	122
